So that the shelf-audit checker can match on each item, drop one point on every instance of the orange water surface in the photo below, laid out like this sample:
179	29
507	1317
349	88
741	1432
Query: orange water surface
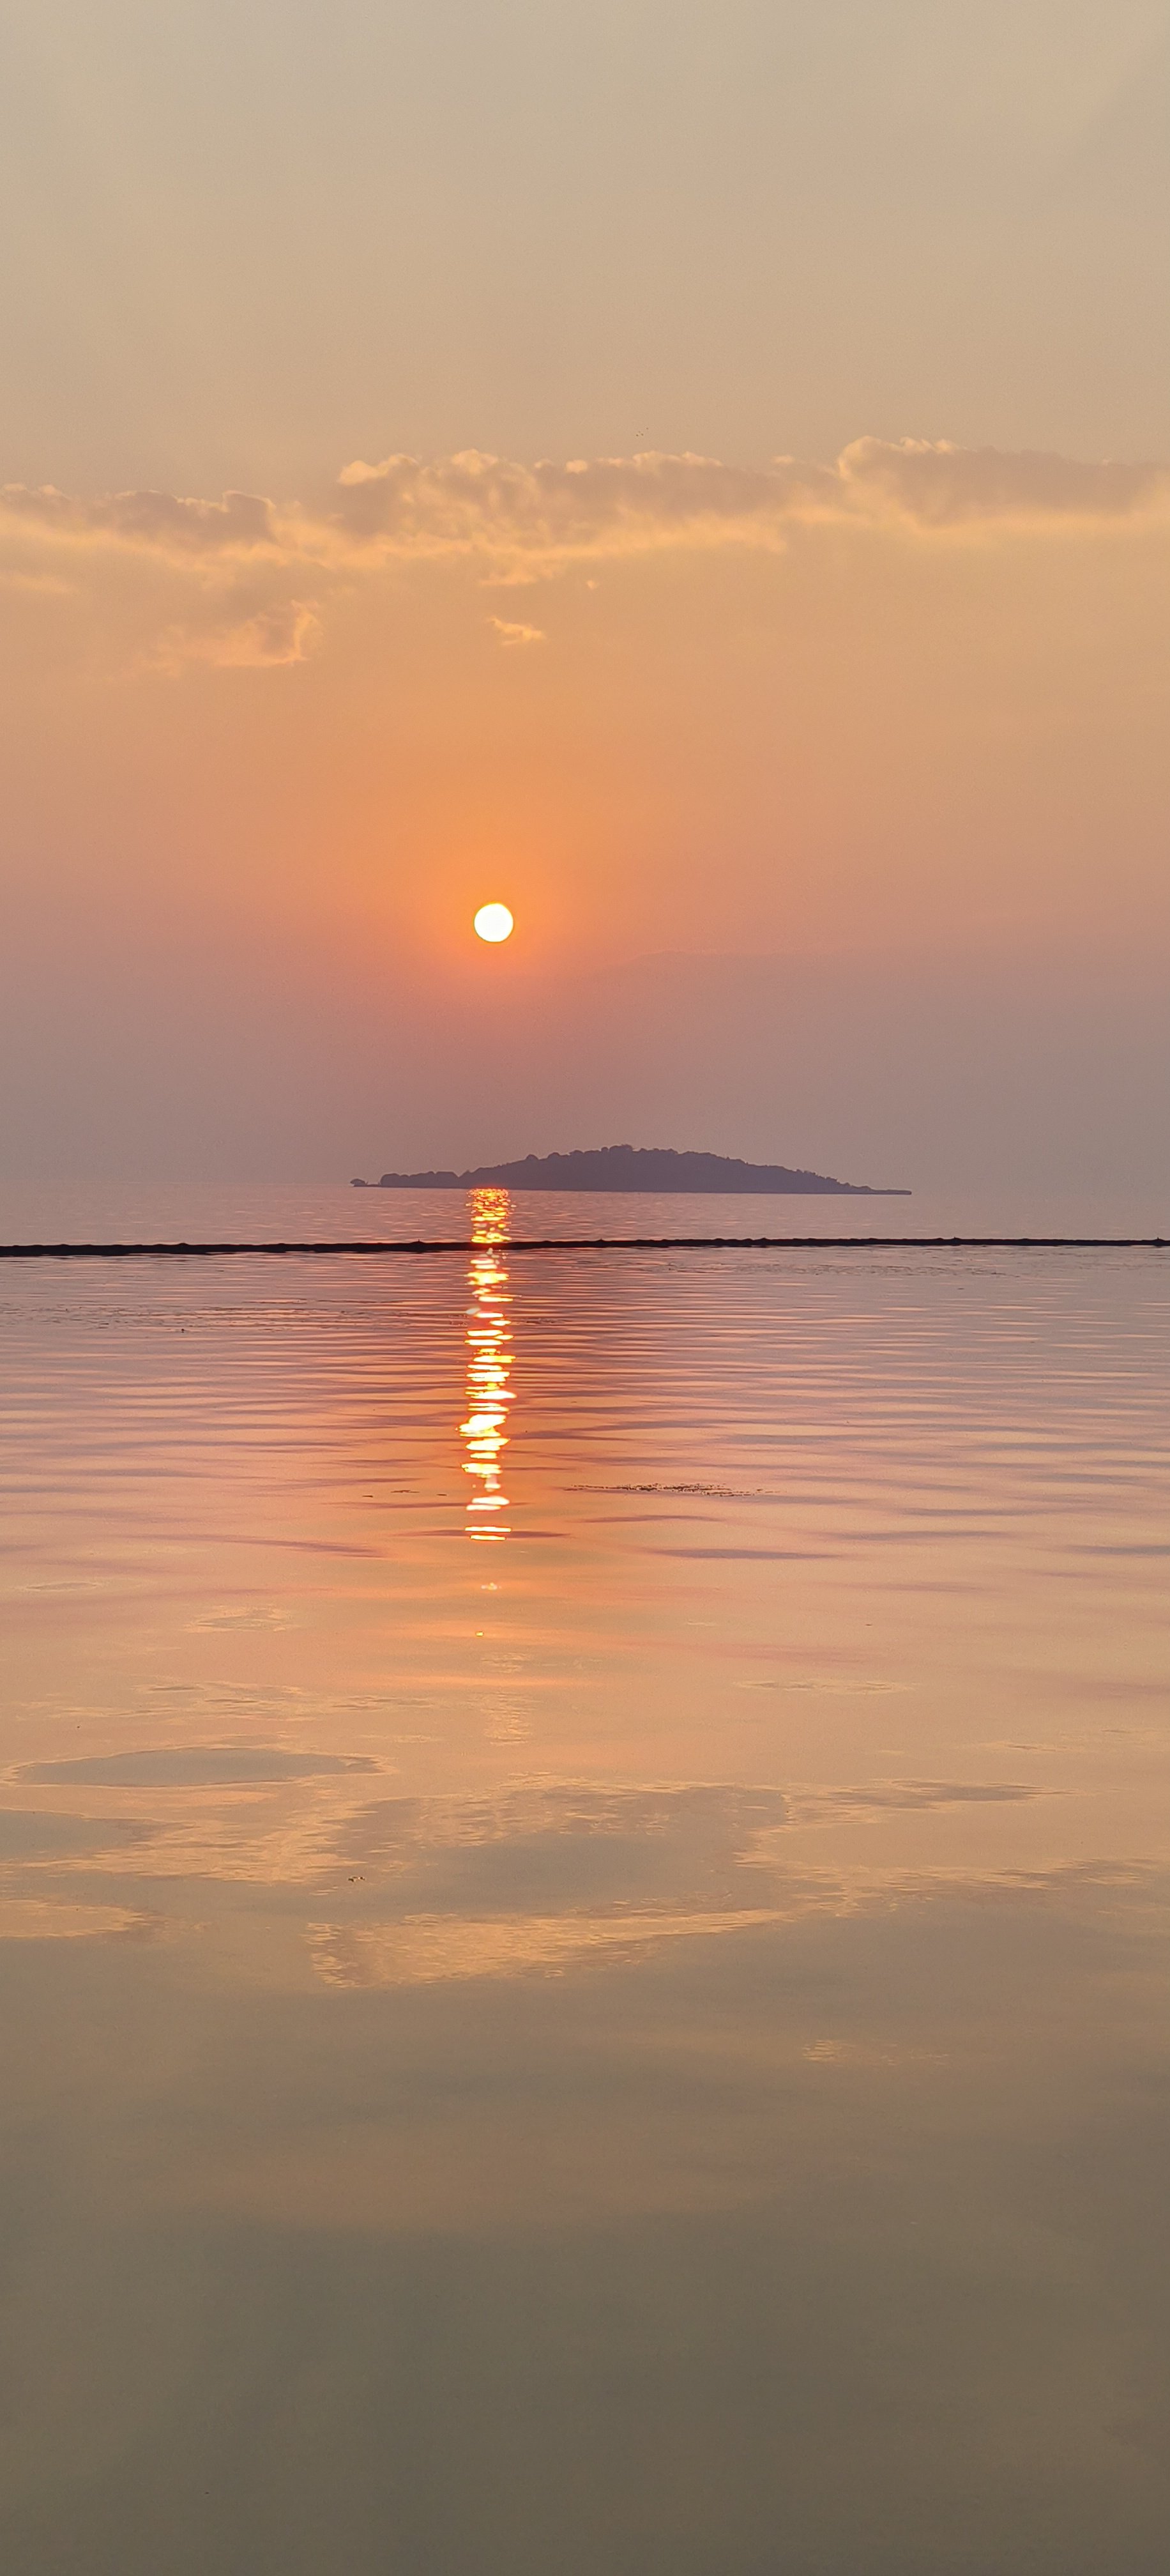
583	1867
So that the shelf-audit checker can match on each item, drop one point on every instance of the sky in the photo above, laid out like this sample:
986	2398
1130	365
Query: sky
698	473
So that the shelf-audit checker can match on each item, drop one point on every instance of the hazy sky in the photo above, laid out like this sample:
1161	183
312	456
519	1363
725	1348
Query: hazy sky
701	473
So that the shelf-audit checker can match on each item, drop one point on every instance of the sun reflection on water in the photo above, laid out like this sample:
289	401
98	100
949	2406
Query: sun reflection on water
489	1364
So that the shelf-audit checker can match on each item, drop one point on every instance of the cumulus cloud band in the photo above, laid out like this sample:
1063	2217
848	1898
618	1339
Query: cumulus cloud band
551	514
253	570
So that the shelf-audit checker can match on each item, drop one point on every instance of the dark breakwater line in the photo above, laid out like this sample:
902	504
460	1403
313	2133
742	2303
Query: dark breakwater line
601	1243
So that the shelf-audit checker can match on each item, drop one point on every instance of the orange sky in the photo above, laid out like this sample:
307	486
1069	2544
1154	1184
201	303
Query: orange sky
850	647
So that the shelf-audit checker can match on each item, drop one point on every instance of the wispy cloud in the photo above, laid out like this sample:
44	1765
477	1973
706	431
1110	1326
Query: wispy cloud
507	632
160	522
286	632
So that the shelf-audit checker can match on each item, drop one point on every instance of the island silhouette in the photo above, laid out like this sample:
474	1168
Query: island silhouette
633	1167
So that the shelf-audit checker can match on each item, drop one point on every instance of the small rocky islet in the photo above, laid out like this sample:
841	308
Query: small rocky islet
634	1167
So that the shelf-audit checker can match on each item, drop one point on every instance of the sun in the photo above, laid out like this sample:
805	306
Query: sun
494	922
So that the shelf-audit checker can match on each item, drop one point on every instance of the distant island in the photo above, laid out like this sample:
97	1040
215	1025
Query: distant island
633	1167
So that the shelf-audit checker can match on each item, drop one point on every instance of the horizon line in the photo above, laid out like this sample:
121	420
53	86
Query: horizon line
599	1243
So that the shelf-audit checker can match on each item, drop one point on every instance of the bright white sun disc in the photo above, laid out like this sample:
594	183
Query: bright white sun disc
494	922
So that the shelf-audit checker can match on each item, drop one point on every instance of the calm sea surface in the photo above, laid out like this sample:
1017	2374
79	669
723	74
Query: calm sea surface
583	1870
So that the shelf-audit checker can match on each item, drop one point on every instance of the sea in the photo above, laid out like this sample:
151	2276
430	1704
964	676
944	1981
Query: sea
584	1852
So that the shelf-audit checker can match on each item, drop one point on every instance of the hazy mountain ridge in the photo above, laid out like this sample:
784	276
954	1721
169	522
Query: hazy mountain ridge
633	1167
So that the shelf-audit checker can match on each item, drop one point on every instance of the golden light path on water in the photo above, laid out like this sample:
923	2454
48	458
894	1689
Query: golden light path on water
489	1363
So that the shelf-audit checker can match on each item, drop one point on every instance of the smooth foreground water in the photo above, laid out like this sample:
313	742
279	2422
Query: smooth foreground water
584	1866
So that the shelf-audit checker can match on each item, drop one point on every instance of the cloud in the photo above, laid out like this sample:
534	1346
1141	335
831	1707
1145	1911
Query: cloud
158	522
237	583
544	516
273	637
507	633
548	514
938	485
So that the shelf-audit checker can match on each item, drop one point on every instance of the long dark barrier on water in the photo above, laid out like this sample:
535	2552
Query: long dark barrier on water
603	1243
